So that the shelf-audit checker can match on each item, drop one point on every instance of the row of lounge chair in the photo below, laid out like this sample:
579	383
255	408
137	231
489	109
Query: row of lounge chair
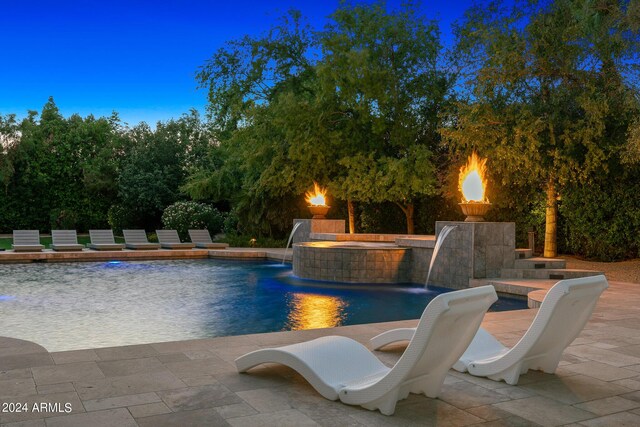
103	240
448	336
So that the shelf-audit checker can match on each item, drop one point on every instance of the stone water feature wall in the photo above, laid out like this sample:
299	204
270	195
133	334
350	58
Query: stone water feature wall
475	250
352	262
308	226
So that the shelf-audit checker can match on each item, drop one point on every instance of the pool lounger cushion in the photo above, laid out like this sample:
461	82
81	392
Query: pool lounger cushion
26	241
65	241
103	240
342	368
137	240
106	246
202	239
169	239
564	312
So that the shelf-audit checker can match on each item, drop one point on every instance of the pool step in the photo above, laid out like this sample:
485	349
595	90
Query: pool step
546	273
514	286
534	289
540	263
523	253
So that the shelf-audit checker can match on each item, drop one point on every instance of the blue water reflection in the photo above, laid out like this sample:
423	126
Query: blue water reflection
67	306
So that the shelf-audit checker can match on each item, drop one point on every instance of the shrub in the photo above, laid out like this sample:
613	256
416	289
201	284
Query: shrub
63	219
230	225
182	216
118	218
603	219
245	241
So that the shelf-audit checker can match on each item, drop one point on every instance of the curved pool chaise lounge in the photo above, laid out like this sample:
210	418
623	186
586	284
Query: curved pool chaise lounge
137	240
202	239
342	368
564	312
65	241
103	240
169	239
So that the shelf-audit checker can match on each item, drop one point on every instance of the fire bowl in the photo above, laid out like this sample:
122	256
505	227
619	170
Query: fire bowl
319	211
475	211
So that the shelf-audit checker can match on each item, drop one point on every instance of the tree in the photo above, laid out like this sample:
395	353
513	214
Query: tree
553	91
254	85
380	70
157	165
285	116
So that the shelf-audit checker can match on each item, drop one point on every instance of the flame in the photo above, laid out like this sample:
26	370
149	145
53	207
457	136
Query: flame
317	198
473	180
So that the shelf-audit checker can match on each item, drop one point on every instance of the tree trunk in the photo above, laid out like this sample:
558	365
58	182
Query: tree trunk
352	216
408	213
551	225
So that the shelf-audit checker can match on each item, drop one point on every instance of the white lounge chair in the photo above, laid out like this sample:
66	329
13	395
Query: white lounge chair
341	368
26	241
169	239
137	239
563	314
202	239
103	240
65	241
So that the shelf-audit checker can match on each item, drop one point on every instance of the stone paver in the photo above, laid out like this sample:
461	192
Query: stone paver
149	409
120	401
80	371
205	396
194	382
109	418
544	411
608	405
622	419
200	417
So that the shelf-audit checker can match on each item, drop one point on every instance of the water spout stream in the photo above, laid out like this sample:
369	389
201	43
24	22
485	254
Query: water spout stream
439	241
293	231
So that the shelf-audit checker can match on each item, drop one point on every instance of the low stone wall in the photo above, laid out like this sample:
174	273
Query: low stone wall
475	250
86	255
309	226
354	262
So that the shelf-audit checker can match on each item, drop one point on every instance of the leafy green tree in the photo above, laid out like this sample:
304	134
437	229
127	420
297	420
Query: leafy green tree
362	116
380	69
156	165
553	91
253	84
46	170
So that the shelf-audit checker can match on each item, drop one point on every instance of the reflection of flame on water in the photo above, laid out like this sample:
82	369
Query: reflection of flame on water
473	180
317	198
310	311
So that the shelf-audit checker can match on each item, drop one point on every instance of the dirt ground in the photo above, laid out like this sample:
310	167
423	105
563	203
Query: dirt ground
623	271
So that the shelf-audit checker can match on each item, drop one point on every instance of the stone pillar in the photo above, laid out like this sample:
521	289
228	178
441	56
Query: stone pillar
475	250
309	226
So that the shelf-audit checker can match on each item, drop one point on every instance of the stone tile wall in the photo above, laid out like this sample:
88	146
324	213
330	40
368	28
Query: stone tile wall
355	265
309	226
474	250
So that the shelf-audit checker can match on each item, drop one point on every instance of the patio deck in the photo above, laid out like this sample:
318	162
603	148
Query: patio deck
195	383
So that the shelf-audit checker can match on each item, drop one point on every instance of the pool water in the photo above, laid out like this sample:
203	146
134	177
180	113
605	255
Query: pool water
65	306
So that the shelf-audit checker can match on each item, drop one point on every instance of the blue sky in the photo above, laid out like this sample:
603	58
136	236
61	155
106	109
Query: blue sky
138	58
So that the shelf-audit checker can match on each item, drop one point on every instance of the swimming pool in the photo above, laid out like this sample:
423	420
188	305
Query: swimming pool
65	306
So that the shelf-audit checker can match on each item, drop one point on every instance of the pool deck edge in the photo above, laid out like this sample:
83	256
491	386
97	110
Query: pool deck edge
87	255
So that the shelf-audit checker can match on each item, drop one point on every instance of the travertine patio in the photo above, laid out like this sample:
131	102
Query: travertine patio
194	383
